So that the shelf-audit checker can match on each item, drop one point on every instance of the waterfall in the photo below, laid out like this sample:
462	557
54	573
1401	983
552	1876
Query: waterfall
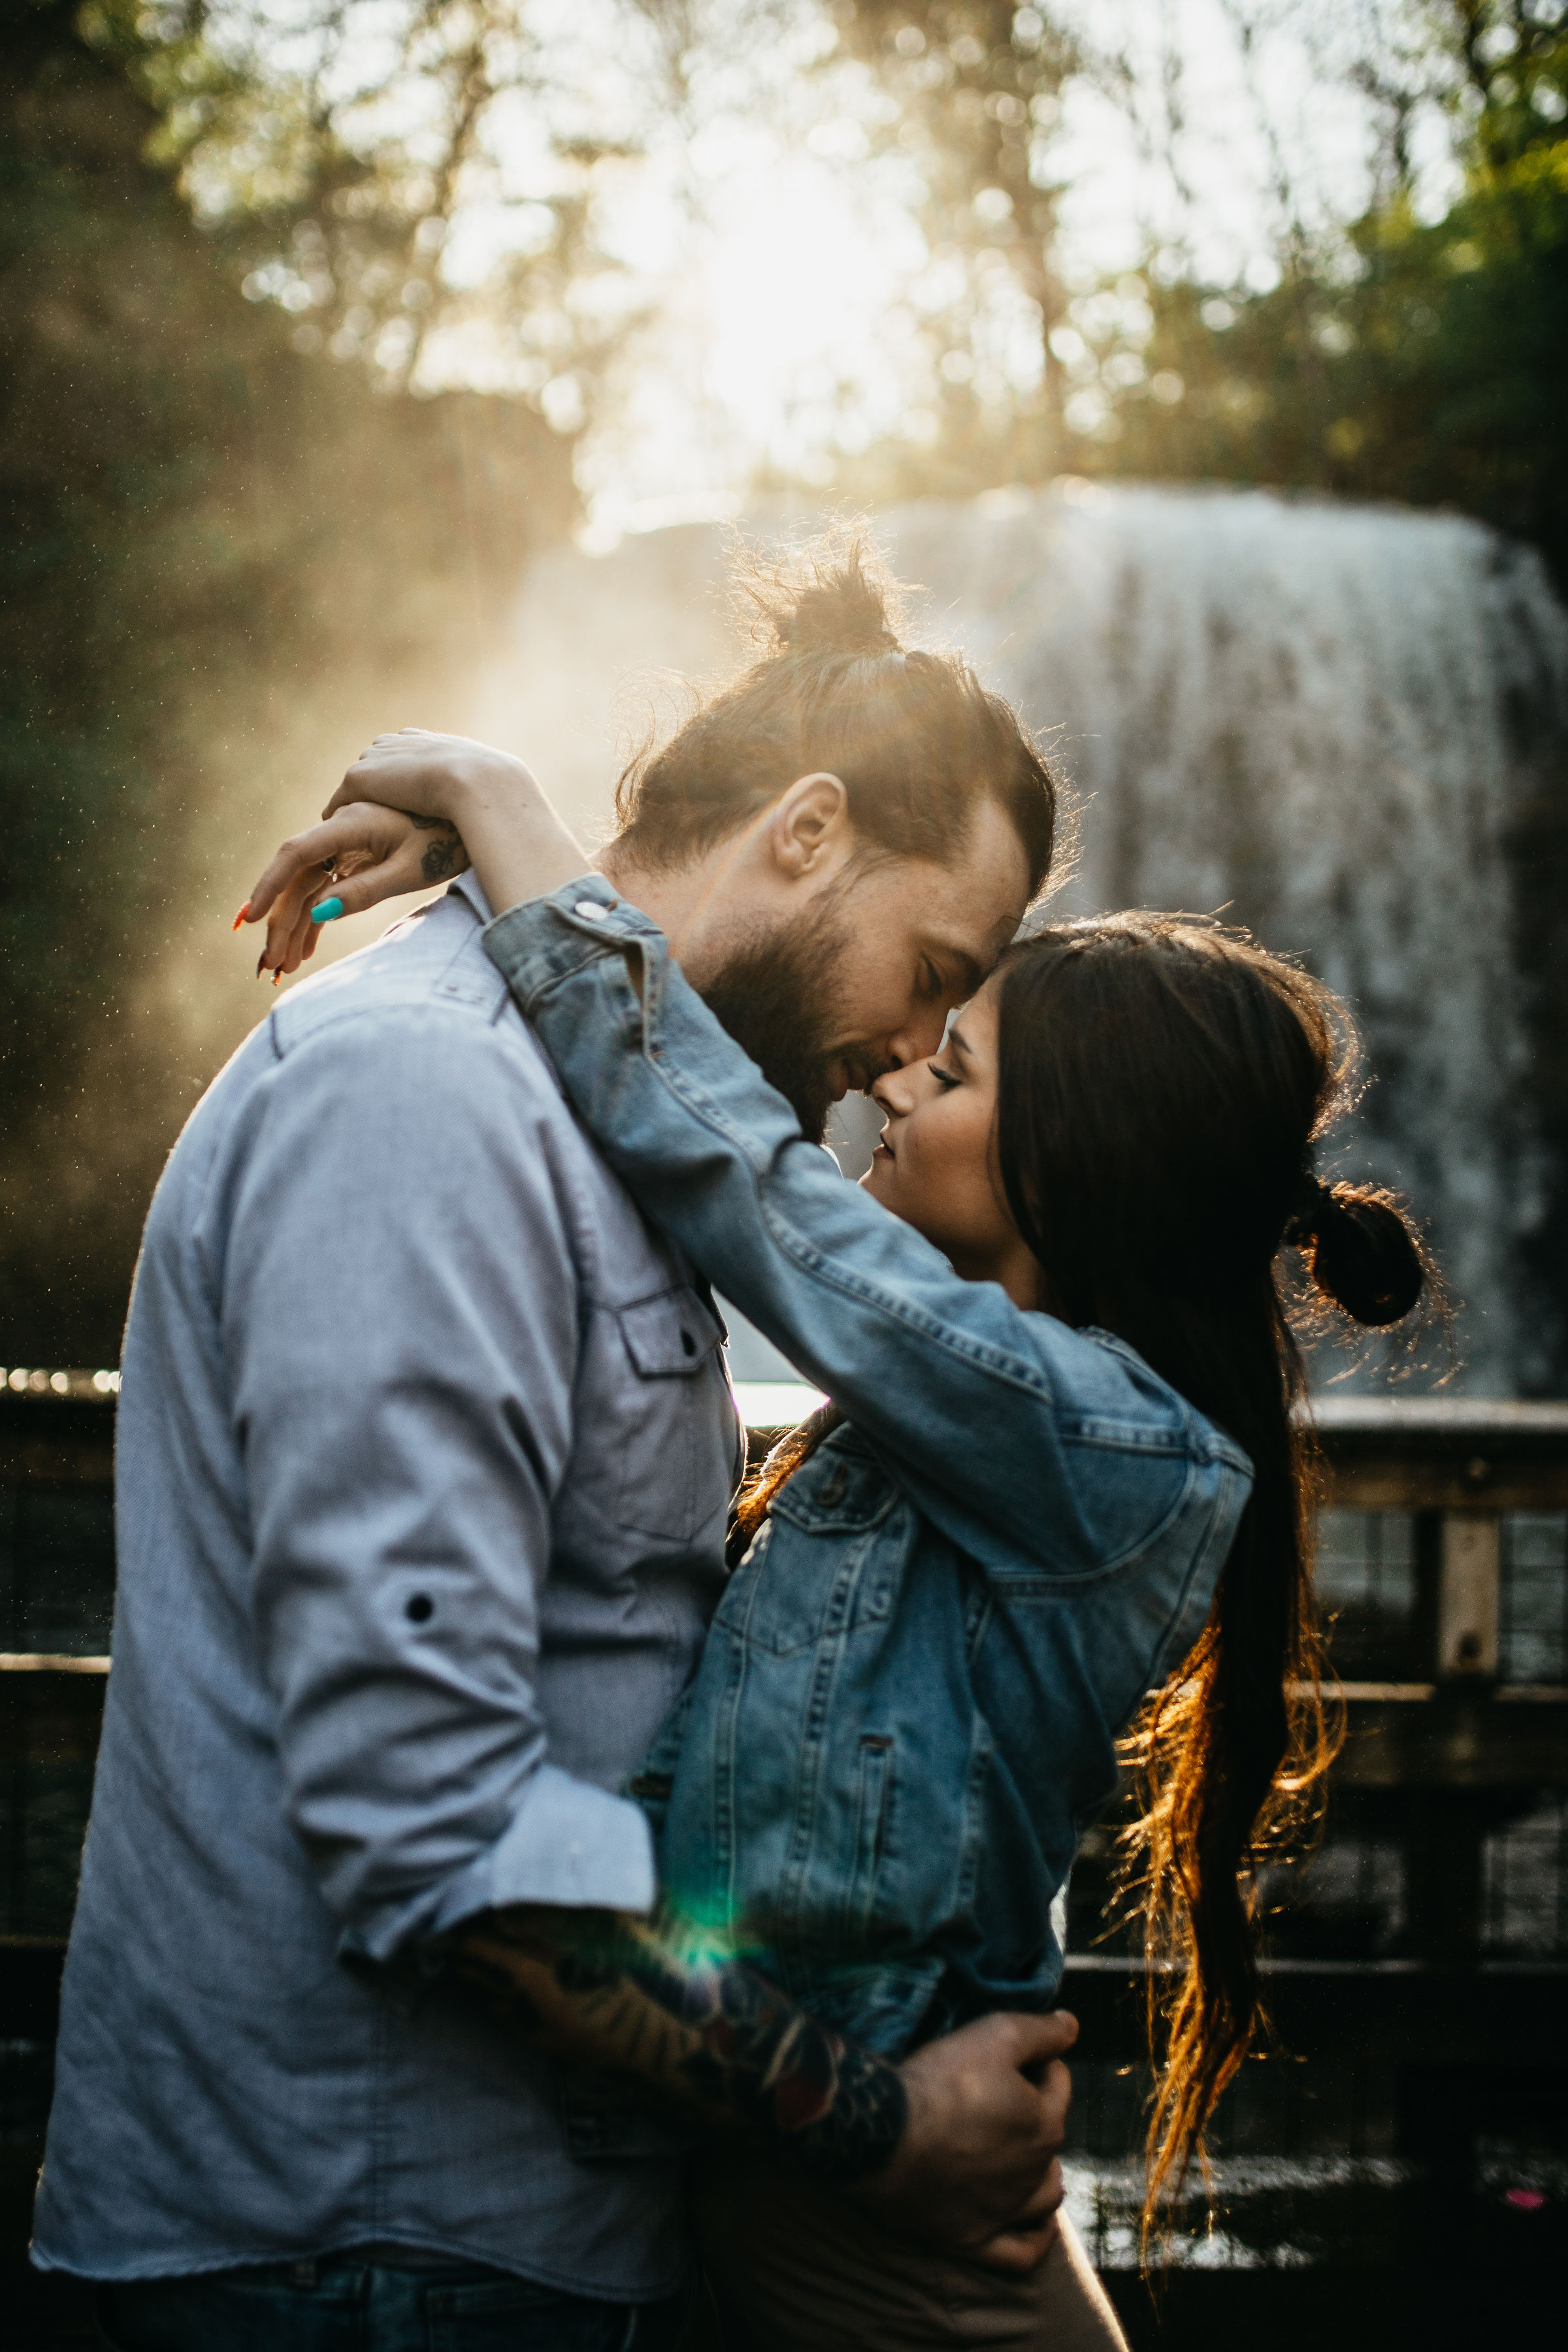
1346	727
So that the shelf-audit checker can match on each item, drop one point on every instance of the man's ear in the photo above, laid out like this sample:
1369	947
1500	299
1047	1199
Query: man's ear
809	830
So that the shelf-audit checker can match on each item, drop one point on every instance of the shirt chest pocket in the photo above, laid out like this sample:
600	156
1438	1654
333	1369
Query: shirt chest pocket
676	1439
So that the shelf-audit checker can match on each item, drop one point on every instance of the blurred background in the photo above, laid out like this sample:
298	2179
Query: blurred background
375	363
367	362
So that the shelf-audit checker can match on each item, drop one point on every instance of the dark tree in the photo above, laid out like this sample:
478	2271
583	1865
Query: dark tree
202	525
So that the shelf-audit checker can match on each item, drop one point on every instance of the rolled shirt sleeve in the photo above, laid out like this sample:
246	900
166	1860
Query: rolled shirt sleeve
398	1308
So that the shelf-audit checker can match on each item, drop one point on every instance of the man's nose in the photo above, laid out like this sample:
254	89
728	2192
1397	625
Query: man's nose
920	1037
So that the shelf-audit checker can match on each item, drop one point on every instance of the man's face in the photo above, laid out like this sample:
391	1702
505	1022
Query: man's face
863	980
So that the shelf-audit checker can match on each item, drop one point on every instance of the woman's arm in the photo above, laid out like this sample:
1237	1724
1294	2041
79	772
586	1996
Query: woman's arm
987	1409
518	846
1003	1424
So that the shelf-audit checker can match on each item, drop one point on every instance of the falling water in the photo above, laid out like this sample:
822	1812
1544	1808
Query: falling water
1347	727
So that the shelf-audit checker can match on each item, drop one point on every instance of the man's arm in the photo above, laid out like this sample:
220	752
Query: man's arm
400	1314
958	2141
612	1991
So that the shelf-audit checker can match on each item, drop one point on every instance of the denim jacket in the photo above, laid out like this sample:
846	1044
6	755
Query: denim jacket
908	1702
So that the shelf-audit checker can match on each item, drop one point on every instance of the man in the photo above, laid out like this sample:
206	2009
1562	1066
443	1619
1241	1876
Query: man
426	1445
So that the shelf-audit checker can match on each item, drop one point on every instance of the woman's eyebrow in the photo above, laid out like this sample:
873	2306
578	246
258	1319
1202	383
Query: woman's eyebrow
956	1038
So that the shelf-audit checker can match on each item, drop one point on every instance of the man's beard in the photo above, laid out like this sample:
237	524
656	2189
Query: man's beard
778	998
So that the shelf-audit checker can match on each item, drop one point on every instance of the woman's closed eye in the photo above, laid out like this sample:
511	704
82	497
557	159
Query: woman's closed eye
944	1077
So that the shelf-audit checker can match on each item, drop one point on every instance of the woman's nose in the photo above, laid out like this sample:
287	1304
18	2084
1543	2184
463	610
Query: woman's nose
892	1093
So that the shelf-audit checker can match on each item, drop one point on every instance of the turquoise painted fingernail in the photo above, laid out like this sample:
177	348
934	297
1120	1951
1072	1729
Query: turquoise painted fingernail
328	911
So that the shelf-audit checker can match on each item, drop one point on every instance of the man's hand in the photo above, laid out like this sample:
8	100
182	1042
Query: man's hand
977	2164
958	2144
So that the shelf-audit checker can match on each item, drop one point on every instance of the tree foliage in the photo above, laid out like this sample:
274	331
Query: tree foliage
973	83
1426	363
1404	357
202	527
333	147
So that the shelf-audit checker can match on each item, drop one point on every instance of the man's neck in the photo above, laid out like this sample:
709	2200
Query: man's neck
691	904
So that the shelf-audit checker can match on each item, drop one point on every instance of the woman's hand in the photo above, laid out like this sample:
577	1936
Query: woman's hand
438	776
517	844
351	861
414	810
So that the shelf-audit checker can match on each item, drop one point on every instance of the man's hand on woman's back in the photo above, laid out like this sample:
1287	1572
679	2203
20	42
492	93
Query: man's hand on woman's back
959	2145
978	2164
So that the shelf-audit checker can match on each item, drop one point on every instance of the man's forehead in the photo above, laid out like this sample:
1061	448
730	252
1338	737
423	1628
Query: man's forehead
982	894
967	918
965	956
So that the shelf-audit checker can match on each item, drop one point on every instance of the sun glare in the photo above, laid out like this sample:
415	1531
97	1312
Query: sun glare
784	231
756	263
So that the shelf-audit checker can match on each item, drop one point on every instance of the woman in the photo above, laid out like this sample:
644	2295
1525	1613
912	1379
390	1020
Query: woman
1062	1470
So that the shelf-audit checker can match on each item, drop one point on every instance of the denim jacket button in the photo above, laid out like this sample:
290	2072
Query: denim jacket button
833	1489
591	910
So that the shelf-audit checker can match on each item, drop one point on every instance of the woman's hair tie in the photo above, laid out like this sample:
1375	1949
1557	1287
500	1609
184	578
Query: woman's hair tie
1310	1201
1363	1253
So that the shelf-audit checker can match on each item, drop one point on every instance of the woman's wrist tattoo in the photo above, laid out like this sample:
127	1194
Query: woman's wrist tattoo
447	855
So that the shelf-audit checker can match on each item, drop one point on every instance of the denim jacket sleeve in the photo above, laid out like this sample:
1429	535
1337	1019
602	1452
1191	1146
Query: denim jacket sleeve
1035	1446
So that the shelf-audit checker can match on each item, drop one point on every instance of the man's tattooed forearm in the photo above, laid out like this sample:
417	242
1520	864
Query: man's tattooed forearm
706	2031
446	855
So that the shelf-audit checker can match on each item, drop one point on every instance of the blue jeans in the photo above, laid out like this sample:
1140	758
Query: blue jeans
346	2304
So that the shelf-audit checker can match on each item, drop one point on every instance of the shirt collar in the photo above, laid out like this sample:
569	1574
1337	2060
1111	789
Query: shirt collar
467	886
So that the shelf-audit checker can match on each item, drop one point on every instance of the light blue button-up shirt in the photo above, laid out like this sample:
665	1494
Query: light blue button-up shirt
425	1447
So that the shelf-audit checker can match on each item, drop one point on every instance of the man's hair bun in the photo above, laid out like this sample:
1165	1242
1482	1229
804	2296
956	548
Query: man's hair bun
1364	1253
833	602
914	738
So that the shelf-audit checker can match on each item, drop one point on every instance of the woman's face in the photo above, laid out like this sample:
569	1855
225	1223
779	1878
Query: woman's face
935	1166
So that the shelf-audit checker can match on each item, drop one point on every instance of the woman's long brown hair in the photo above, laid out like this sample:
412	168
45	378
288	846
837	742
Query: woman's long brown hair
1162	1083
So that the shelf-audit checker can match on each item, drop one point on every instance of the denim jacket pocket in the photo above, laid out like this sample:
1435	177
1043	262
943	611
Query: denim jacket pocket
811	1593
841	1490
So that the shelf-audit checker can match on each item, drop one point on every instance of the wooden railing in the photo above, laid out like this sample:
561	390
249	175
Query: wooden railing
1456	1745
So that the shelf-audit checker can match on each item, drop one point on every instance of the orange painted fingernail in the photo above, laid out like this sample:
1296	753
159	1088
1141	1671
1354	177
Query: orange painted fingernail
241	916
277	978
261	963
